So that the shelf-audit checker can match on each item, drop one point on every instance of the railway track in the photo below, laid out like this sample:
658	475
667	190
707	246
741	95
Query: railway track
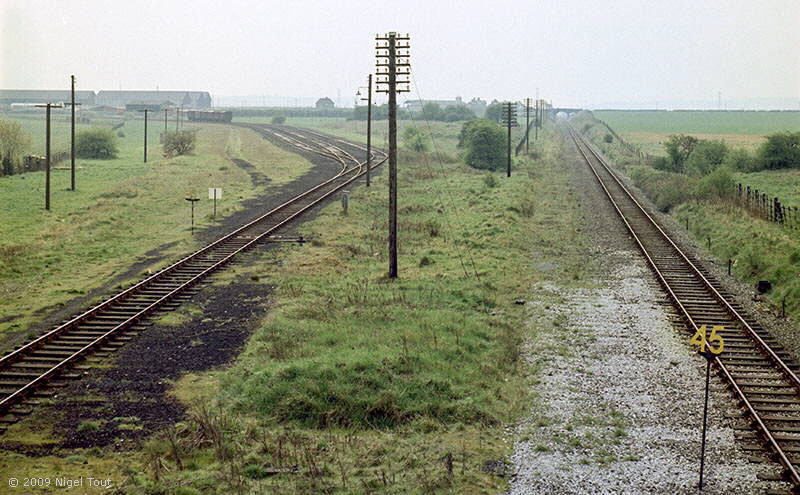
761	376
38	368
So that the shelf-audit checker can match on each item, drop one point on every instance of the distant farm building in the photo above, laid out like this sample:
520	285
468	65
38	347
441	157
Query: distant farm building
23	96
324	103
123	98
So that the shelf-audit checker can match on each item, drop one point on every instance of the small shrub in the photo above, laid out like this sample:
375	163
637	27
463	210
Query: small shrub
425	261
718	183
415	140
121	134
608	138
255	472
96	143
781	150
490	180
76	459
742	160
278	119
179	143
87	426
485	143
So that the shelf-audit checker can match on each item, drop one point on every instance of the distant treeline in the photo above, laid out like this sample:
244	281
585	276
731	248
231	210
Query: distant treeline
288	112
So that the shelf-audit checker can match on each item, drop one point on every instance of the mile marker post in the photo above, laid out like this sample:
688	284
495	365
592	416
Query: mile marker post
709	353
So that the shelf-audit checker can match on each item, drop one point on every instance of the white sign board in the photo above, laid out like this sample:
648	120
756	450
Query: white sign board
214	193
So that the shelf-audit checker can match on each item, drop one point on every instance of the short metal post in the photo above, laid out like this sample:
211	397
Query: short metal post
708	357
729	266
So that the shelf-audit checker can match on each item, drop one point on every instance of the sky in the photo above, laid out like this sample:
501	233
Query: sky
589	53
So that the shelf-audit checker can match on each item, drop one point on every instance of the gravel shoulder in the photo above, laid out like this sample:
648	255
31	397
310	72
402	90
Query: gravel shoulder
618	394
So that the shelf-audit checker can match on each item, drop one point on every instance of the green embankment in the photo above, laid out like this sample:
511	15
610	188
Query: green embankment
122	209
759	250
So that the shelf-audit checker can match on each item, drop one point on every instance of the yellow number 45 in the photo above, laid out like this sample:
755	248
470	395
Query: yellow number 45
699	339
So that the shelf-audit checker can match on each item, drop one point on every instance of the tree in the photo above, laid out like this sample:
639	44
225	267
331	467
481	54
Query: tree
679	147
494	112
466	132
485	144
415	139
96	142
13	141
781	150
179	143
706	157
453	113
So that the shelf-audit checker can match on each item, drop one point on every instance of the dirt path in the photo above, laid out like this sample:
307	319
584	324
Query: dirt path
620	399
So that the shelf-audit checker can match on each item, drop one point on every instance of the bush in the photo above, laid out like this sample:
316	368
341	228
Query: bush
781	150
717	184
96	143
608	138
485	144
706	156
13	141
179	143
742	160
278	119
415	140
666	189
121	134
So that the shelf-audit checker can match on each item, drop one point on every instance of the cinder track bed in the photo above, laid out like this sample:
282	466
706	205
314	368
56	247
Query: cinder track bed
761	375
39	367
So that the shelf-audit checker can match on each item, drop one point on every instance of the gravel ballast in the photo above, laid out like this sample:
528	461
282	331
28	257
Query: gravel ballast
618	403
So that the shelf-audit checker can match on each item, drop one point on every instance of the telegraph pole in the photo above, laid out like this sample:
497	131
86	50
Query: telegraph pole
145	133
47	106
391	55
510	120
72	138
165	120
368	99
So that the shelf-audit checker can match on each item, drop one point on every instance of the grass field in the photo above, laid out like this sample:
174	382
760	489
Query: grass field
648	129
122	209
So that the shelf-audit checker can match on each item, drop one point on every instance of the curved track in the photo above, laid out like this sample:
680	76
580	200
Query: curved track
37	367
761	376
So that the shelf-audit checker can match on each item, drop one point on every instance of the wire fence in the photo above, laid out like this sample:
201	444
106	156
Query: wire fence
771	209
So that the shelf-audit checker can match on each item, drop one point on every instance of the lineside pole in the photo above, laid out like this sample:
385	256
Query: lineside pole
47	161
369	127
72	138
508	166
388	56
527	124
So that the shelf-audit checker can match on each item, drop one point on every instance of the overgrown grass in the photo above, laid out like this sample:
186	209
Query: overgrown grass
122	209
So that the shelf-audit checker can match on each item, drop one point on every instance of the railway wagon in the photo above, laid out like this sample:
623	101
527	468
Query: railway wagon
208	116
